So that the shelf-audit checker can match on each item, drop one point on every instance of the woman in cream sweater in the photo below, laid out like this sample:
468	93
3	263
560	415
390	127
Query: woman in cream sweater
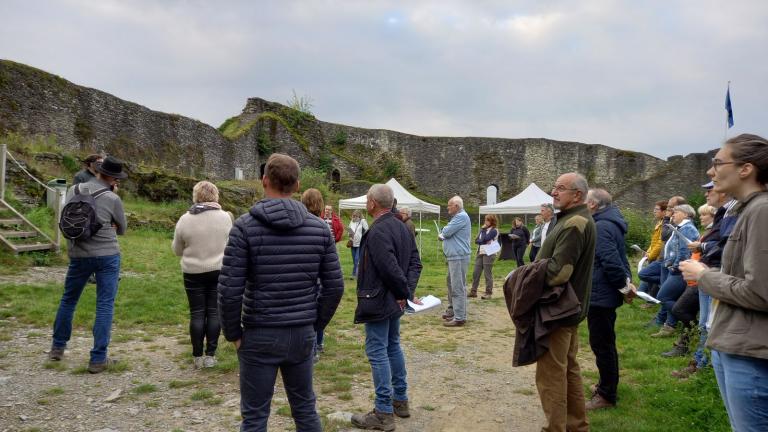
200	238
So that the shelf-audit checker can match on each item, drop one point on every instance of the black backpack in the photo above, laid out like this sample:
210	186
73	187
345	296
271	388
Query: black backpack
79	220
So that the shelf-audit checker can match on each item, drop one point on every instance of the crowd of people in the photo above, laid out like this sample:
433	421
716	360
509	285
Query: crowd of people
270	281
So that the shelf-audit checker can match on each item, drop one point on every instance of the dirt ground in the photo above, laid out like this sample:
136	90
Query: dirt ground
472	388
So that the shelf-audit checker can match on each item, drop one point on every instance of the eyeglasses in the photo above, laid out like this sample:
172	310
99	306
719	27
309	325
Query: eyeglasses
717	162
562	188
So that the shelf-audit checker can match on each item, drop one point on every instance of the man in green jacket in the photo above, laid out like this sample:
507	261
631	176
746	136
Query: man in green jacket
570	247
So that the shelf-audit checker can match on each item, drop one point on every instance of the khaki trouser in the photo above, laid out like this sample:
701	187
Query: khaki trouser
558	379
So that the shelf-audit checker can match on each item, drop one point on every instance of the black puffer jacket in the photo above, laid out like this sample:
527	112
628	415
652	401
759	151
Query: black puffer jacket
611	268
275	256
388	271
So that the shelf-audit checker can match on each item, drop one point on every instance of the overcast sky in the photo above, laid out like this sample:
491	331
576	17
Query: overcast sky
649	76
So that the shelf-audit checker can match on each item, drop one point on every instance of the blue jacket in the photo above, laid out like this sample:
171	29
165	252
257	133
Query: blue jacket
457	236
611	267
676	249
269	278
388	271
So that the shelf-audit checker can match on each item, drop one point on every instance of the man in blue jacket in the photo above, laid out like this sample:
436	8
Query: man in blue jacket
456	238
388	273
610	274
270	301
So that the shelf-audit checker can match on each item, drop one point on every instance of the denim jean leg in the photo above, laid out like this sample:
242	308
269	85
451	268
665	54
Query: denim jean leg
700	355
296	371
355	259
261	352
670	291
397	361
720	378
649	275
78	272
376	340
107	274
746	381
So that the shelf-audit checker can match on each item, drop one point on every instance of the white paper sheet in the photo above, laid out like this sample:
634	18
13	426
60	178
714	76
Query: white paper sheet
428	302
492	248
647	297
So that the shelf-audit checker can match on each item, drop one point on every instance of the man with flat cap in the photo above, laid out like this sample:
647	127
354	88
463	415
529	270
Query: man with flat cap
99	254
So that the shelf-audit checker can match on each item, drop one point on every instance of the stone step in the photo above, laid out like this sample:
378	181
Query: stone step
12	221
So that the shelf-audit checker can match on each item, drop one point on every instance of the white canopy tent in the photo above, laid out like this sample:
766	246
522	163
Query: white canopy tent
528	201
404	199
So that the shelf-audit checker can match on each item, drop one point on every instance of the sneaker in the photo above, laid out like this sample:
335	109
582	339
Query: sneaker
677	351
686	372
374	420
664	331
198	362
55	354
454	323
320	348
209	361
486	296
598	402
95	368
401	408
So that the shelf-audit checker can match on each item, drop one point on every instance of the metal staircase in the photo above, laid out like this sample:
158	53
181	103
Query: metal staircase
17	233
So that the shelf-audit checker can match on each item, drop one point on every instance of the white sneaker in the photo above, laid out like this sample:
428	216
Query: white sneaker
209	361
199	362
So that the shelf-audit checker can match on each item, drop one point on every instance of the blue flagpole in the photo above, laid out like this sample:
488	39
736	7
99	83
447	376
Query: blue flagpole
728	112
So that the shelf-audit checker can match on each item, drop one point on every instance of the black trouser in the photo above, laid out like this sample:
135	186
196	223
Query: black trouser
534	251
602	340
203	312
264	350
687	306
519	253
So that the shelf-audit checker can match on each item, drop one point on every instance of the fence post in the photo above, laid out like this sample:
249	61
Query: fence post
60	193
2	171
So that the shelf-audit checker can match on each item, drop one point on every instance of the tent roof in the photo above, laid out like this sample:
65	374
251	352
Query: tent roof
404	199
528	201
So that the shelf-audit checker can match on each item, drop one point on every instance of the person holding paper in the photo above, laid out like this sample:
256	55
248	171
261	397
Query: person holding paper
388	274
484	260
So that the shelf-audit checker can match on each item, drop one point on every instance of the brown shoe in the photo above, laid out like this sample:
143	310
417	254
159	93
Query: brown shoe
95	368
598	402
374	420
454	323
401	408
686	372
446	316
486	296
472	294
55	354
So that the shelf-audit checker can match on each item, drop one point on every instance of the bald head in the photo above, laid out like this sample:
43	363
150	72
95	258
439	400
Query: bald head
455	205
570	191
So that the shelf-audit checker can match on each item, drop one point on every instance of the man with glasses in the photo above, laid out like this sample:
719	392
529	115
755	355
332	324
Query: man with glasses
571	247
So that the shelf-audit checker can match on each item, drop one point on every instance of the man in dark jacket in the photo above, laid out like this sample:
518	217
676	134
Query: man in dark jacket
611	273
571	245
89	169
270	301
387	275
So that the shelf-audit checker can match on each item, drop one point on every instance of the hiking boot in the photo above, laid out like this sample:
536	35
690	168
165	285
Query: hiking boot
55	354
198	362
401	408
447	316
454	323
472	294
677	351
686	371
486	296
95	368
209	361
664	331
374	420
598	402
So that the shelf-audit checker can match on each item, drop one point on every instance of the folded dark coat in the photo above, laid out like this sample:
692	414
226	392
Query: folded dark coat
536	310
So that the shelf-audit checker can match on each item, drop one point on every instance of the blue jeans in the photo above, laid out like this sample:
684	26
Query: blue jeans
670	291
650	275
382	345
457	288
700	355
264	350
107	270
355	259
743	383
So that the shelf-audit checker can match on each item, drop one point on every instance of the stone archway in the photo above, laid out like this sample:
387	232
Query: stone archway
261	169
335	179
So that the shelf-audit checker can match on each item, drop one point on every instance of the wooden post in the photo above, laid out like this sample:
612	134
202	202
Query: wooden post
60	194
2	171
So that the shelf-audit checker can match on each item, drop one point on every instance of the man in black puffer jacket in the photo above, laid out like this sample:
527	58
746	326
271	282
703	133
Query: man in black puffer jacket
611	273
387	275
269	304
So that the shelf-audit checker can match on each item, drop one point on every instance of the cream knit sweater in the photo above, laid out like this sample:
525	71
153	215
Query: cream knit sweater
200	240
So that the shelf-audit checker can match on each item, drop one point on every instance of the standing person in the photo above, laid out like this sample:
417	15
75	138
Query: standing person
357	227
548	220
199	239
536	238
484	262
99	254
313	201
270	301
455	237
388	276
89	169
610	274
334	223
650	275
520	237
405	216
739	289
571	247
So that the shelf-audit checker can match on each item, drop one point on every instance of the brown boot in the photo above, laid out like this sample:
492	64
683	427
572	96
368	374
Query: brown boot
454	323
374	420
401	408
486	296
686	371
472	294
598	402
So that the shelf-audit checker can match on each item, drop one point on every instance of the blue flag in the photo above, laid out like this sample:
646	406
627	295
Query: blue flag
728	106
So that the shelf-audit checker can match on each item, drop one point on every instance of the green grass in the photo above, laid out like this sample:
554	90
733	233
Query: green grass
145	388
201	395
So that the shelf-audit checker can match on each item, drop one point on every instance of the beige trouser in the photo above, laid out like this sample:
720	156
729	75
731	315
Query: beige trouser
558	379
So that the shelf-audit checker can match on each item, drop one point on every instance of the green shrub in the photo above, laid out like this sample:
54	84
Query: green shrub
639	228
